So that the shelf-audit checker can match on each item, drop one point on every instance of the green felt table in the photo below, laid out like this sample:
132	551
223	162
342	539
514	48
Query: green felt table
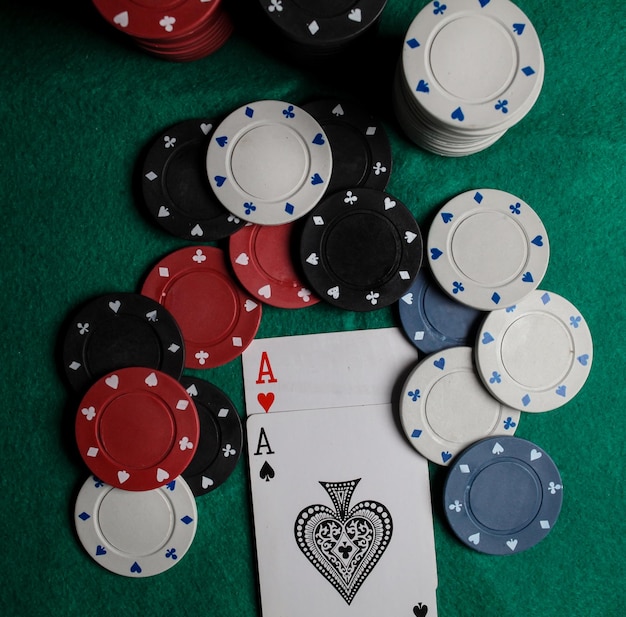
79	104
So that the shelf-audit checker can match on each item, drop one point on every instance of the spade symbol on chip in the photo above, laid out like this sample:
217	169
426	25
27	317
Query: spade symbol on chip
267	472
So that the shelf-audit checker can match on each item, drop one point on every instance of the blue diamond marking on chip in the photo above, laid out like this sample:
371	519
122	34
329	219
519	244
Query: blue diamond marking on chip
561	391
249	112
413	43
446	217
528	71
171	485
545	298
289	208
518	28
83	516
495	298
525	400
527	277
187	519
416	433
478	197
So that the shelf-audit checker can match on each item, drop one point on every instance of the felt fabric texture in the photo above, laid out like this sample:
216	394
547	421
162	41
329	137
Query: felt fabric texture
79	104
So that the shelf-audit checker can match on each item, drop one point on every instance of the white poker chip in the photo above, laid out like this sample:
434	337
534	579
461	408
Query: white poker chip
488	249
444	406
468	72
269	162
535	355
136	533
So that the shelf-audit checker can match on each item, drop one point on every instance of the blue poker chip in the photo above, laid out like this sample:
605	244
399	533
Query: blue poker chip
503	495
433	321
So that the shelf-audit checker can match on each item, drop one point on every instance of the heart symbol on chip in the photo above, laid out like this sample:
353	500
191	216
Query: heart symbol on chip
242	259
333	292
435	254
389	203
113	381
219	180
319	139
163	212
115	306
161	475
266	400
537	241
475	538
122	476
205	128
497	449
408	298
457	114
121	19
584	359
197	231
440	363
535	454
265	292
151	380
313	259
250	305
487	338
355	15
206	482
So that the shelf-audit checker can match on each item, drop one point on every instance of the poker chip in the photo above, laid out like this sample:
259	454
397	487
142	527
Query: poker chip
503	495
137	429
217	318
269	162
468	72
315	29
488	249
361	249
120	330
175	186
135	534
261	258
221	437
535	355
444	407
181	30
432	320
360	146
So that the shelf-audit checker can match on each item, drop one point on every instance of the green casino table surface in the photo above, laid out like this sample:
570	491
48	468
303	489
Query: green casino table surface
78	106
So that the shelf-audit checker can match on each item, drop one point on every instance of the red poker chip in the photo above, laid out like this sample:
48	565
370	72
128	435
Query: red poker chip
261	258
156	20
137	429
217	318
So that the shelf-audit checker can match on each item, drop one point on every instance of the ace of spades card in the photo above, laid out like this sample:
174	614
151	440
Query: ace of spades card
342	515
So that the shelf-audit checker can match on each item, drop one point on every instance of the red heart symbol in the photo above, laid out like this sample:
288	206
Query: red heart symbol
265	400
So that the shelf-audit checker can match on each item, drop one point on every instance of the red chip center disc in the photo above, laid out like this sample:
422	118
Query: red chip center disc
136	430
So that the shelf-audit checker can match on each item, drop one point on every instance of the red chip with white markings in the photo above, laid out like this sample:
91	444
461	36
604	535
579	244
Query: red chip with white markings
137	429
261	258
217	318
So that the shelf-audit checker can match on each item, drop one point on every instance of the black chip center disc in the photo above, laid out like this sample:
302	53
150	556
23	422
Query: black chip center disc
362	249
513	505
187	183
120	343
325	8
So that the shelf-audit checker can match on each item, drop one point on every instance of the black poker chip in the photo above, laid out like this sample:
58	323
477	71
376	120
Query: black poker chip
359	144
361	249
176	188
323	24
120	330
221	437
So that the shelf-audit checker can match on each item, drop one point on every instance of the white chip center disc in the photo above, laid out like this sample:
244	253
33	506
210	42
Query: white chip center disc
473	58
489	248
134	522
270	162
537	351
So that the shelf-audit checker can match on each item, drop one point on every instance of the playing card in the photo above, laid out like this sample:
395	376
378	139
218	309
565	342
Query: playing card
318	371
342	515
